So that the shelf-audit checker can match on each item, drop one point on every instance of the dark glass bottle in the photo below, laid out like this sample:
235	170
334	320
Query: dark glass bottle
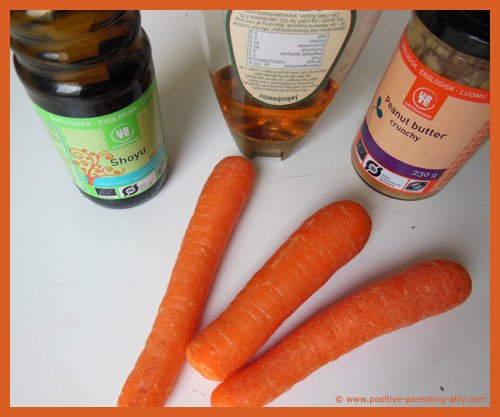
91	77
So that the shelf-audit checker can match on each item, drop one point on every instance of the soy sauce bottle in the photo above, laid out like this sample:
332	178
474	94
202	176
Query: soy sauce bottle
90	76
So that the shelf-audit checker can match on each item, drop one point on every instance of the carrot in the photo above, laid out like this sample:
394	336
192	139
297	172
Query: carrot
318	248
419	292
217	211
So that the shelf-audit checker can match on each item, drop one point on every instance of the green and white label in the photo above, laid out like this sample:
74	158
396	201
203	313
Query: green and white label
282	57
116	156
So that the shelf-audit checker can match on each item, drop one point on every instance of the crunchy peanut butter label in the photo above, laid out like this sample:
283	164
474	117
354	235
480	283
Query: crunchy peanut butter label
420	127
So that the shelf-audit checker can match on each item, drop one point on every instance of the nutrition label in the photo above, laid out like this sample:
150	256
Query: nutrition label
278	50
282	57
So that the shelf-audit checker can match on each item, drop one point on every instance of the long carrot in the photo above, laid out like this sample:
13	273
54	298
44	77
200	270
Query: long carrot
421	291
217	211
318	248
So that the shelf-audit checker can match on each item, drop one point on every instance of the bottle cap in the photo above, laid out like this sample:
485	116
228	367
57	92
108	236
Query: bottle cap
465	30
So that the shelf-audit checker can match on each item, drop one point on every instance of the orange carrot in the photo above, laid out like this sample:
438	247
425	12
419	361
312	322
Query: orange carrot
419	292
217	211
318	248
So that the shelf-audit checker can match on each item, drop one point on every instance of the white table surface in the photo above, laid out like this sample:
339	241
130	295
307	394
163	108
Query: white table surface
86	281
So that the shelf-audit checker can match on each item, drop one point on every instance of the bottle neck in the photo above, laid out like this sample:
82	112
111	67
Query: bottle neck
81	63
68	40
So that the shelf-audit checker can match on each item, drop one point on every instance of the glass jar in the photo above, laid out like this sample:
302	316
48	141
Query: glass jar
431	111
274	72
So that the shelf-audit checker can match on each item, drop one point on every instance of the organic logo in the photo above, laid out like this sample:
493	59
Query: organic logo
424	98
122	133
416	185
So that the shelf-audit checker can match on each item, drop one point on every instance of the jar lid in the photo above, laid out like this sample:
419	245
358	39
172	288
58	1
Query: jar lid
465	30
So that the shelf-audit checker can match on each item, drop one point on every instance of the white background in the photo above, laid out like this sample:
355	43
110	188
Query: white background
86	281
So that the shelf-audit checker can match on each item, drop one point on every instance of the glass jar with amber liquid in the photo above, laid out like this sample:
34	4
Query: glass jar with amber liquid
90	76
275	72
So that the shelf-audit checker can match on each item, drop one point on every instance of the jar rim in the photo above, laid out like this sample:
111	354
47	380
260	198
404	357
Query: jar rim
468	31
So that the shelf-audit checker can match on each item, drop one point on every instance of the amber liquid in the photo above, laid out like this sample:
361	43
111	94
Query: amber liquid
264	131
